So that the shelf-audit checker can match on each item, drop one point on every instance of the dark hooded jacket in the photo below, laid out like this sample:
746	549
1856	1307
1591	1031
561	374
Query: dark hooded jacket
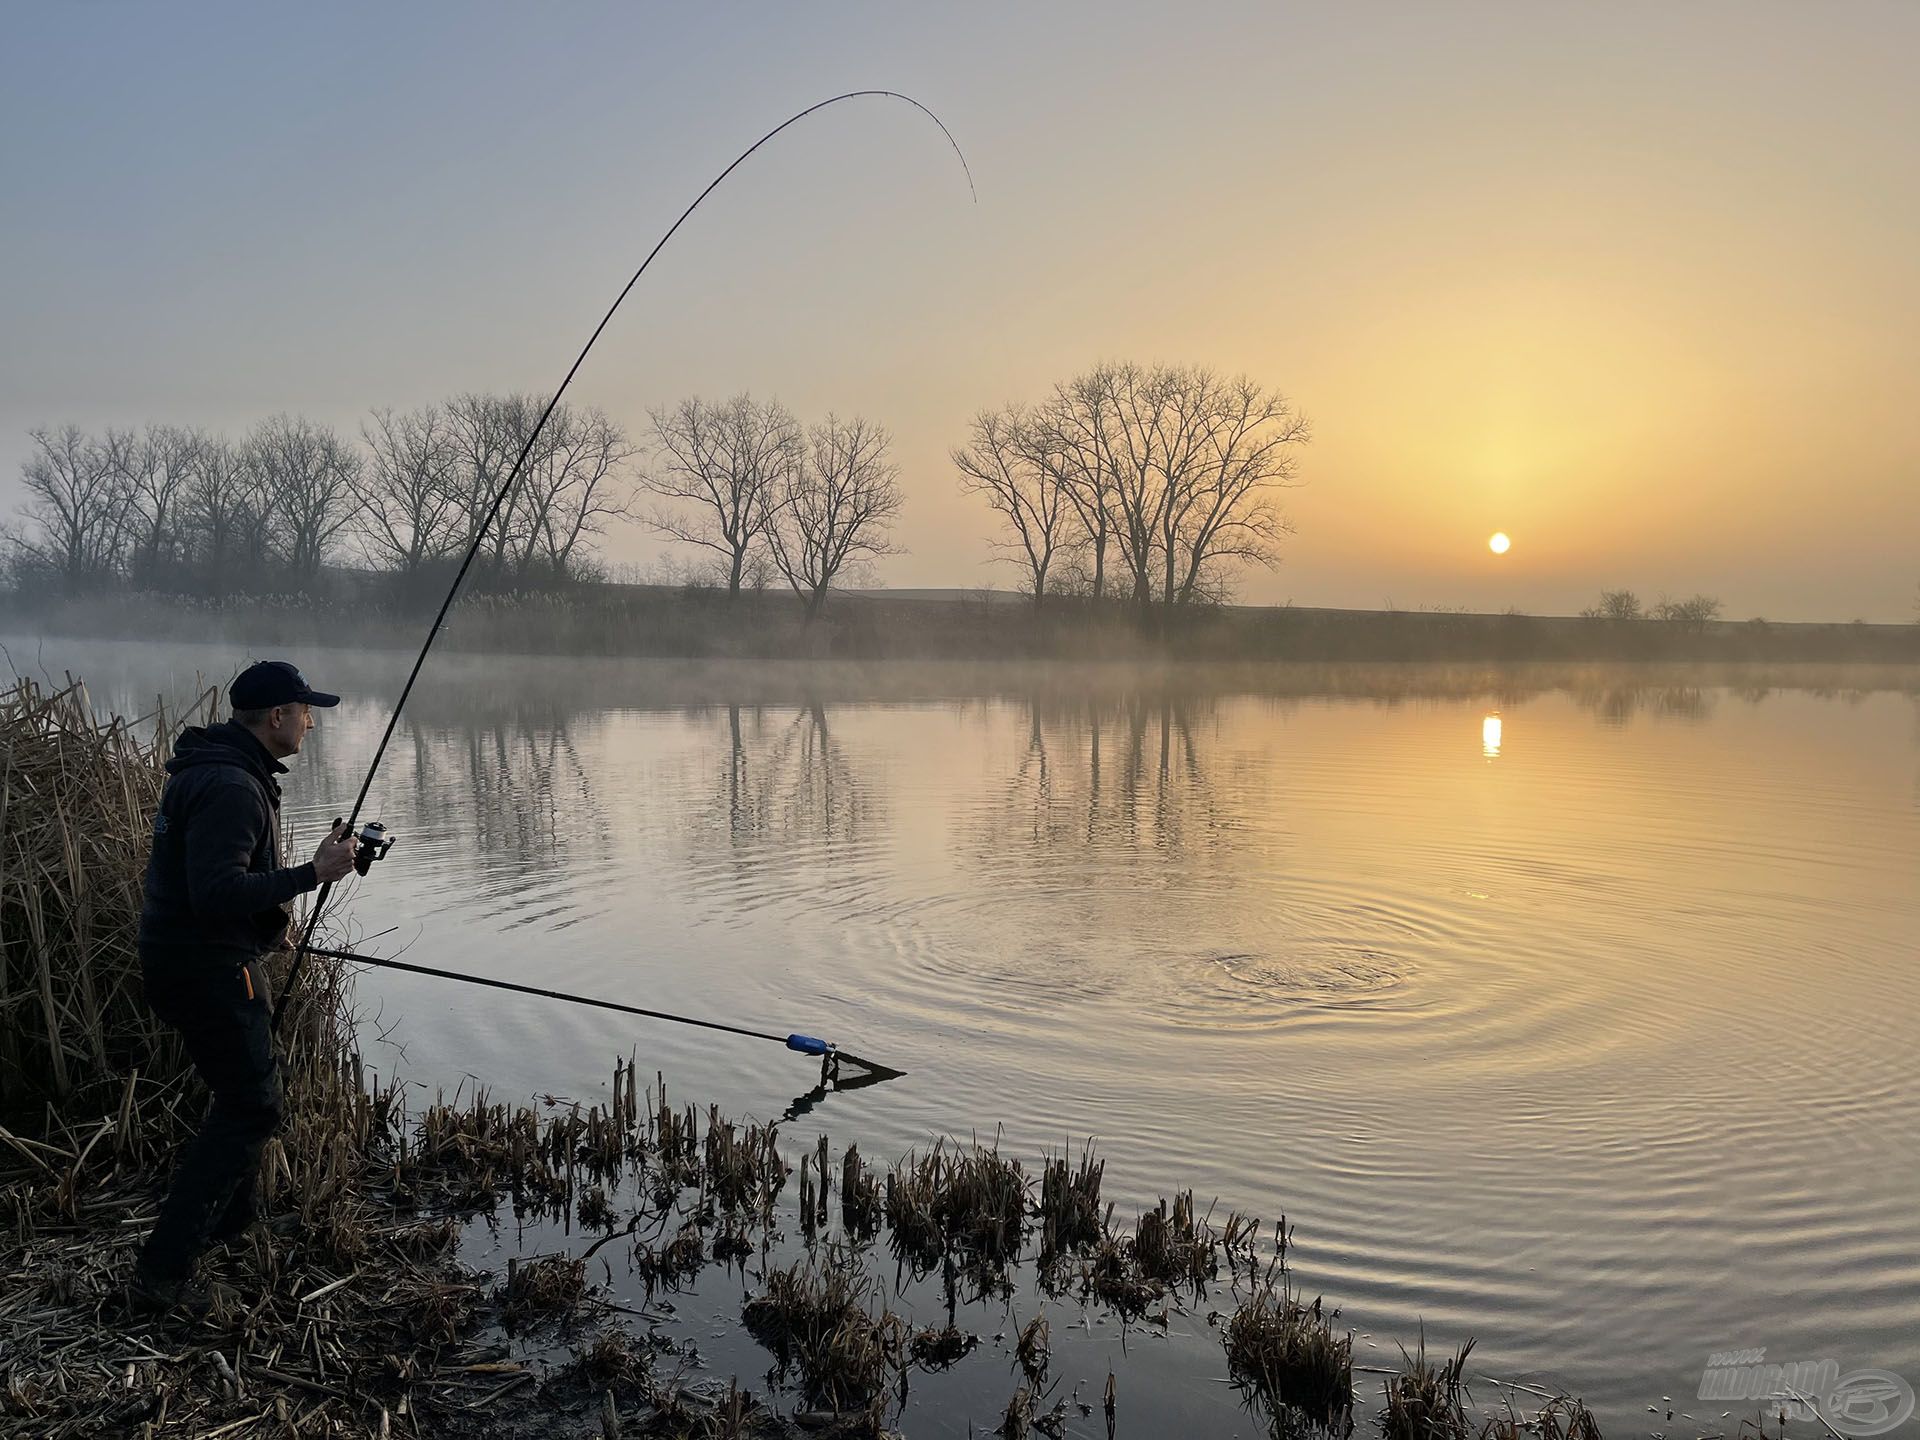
215	883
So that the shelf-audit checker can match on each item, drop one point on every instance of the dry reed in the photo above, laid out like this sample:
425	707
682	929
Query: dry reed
820	1319
77	798
1426	1401
1288	1357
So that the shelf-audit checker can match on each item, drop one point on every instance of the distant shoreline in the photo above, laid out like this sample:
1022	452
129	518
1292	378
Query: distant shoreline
670	623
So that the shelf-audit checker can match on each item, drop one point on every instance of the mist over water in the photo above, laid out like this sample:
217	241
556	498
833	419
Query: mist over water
1566	1010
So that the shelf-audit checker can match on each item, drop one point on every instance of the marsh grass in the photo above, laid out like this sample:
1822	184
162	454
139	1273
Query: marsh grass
543	1286
970	1205
1069	1215
1561	1418
77	797
1427	1401
1288	1357
1032	1351
860	1200
827	1322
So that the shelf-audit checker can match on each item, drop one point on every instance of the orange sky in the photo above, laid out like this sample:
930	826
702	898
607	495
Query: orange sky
1635	283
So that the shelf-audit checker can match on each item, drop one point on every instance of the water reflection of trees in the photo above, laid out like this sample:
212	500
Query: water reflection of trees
512	791
1129	778
1617	704
776	794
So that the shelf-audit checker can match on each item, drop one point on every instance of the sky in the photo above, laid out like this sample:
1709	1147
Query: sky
1636	283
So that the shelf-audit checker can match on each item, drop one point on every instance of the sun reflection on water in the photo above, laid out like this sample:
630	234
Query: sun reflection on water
1490	736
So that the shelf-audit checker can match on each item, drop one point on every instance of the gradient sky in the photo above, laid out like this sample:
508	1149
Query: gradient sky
1636	283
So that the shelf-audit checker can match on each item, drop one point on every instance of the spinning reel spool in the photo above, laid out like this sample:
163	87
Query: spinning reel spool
371	844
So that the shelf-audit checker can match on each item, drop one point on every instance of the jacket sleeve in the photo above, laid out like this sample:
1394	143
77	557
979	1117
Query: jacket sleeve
222	831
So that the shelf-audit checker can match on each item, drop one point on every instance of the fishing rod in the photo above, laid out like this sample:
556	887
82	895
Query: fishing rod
373	846
830	1054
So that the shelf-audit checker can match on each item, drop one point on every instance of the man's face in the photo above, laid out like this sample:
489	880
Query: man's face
287	727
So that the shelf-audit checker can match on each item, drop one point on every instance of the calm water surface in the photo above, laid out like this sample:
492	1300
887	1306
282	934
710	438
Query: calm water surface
1578	1020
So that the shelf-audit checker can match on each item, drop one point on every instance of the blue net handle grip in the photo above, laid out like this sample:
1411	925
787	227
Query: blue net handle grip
807	1045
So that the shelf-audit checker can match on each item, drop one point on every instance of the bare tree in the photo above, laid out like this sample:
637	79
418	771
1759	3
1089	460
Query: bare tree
77	502
1614	605
836	507
155	467
1176	467
1069	431
308	474
487	434
573	483
1221	506
1692	615
224	517
1013	461
733	463
1129	446
408	513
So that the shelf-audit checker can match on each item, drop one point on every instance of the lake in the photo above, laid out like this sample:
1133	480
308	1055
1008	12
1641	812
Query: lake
1570	1010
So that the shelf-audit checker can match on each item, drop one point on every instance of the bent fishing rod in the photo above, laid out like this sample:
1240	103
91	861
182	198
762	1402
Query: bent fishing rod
373	844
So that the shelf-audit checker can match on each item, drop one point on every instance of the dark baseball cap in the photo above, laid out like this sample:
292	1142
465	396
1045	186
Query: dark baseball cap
267	683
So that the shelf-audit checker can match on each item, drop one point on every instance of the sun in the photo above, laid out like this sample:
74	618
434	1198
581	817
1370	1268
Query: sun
1498	542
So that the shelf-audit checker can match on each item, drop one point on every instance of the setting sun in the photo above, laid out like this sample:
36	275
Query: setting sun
1498	542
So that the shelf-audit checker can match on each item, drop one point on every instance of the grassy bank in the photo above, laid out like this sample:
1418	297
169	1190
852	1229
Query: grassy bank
692	623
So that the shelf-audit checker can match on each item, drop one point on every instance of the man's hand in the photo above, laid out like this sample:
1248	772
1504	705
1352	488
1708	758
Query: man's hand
334	858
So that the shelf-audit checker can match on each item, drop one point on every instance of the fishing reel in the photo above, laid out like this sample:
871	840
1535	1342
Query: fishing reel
371	844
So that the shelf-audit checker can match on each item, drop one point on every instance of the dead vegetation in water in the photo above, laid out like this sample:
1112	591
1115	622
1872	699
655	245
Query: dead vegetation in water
1032	1351
542	1288
971	1205
1070	1220
828	1323
1287	1357
1427	1401
860	1202
744	1170
1562	1418
941	1348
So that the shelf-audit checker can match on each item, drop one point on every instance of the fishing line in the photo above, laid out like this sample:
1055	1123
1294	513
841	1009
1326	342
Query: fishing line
804	1044
500	495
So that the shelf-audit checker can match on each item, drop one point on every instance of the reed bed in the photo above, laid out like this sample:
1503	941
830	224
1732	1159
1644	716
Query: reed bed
77	797
972	1205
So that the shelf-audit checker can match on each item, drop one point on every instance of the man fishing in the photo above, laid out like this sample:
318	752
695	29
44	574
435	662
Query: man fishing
217	898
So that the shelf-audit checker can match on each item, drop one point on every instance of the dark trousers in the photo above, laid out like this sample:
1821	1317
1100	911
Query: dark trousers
222	1012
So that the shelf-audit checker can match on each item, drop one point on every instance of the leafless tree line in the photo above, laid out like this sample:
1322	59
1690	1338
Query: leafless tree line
1692	614
170	507
744	481
1152	480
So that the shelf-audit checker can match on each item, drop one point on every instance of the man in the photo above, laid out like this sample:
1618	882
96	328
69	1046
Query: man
216	901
